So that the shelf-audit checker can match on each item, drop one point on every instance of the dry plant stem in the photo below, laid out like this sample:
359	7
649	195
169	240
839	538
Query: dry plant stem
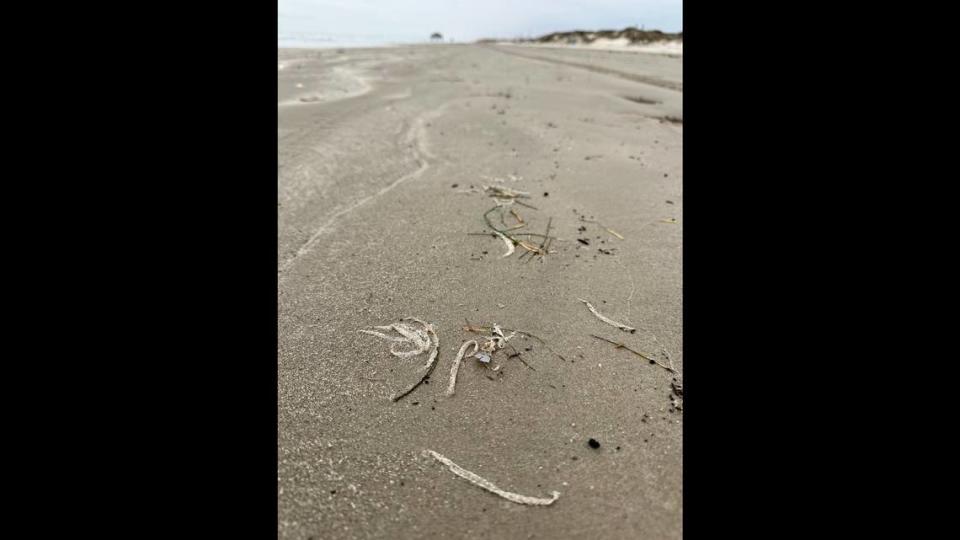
519	356
431	362
640	354
514	234
509	244
546	239
608	320
456	364
489	486
525	204
608	229
426	373
521	243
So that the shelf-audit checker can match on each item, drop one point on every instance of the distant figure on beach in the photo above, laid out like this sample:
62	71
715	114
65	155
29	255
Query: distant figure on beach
436	36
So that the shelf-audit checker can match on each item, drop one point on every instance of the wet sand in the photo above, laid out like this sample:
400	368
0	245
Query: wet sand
378	151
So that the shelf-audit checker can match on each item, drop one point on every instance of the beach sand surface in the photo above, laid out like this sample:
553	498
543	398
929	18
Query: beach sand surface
381	156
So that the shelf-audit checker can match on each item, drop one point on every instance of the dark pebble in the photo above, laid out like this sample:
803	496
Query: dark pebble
455	185
594	443
545	194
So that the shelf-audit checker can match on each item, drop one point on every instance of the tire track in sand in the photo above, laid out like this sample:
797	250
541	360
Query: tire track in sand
645	79
416	140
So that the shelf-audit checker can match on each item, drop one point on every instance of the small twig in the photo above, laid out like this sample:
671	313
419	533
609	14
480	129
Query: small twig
546	238
608	229
640	354
519	356
521	203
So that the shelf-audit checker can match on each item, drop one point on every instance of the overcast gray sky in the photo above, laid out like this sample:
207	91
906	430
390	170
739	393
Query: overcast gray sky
467	20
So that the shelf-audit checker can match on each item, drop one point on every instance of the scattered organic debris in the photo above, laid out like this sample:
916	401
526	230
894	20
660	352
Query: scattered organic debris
608	320
669	220
511	239
505	195
482	352
477	329
496	341
310	99
640	354
489	486
422	339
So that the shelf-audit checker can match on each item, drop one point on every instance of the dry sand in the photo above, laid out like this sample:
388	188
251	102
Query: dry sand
371	229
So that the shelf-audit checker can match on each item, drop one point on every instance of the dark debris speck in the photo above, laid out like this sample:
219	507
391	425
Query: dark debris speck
594	443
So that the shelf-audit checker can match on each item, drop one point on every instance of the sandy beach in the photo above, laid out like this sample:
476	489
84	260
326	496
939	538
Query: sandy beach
384	155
